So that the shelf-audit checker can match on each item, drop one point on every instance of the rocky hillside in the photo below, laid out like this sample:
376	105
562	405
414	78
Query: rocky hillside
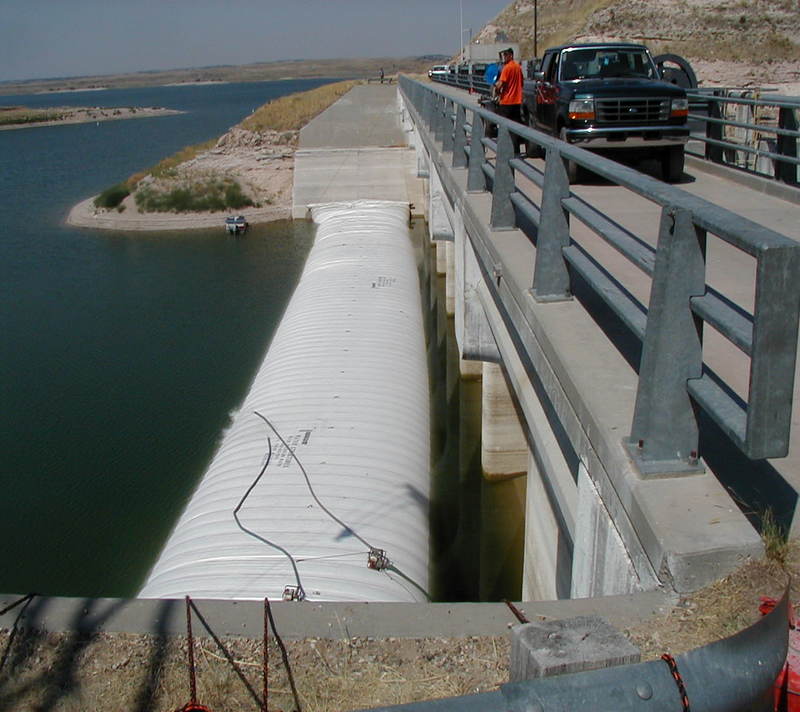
749	31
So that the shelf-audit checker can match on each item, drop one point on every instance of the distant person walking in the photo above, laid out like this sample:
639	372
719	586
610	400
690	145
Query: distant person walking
382	75
509	89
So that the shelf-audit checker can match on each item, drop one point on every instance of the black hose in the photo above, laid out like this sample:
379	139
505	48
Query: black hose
241	526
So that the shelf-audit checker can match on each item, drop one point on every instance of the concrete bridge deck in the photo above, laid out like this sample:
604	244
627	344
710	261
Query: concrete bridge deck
356	149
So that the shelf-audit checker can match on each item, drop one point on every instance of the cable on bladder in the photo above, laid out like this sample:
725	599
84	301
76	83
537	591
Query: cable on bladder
296	593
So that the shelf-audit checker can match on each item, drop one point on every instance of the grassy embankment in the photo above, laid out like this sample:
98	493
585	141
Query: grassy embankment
172	192
11	115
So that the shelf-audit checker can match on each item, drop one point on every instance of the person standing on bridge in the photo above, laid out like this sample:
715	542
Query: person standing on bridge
509	89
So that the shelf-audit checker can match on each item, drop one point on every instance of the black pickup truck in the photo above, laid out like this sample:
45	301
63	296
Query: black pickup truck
609	98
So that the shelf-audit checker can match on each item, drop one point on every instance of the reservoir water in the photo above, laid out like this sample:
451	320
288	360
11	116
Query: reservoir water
122	356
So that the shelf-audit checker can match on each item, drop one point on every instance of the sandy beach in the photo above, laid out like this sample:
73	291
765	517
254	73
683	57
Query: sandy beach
84	214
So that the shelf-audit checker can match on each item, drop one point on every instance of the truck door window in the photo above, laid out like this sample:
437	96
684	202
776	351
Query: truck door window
547	62
553	74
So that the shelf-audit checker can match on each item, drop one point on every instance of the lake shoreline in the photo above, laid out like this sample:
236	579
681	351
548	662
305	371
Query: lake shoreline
87	115
86	215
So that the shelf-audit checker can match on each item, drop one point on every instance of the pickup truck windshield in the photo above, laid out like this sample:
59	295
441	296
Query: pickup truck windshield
600	62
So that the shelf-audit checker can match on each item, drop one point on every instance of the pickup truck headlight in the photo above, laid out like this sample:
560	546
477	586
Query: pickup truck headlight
581	109
680	107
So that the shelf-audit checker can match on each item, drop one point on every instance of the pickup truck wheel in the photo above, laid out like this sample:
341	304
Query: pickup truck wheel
533	150
574	171
672	164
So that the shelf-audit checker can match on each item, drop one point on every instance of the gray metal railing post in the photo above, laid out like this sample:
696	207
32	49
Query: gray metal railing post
428	105
447	141
551	280
503	217
777	309
476	180
460	138
714	131
787	146
438	118
664	433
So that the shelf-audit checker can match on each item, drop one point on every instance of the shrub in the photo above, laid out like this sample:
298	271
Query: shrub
112	197
212	195
234	198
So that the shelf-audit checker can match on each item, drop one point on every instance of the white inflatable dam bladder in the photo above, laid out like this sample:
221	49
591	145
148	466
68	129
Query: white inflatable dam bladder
320	486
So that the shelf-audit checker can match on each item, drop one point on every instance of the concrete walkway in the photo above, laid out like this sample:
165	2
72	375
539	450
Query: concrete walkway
356	149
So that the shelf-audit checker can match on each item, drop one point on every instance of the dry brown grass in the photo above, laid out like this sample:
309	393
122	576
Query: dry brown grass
721	609
291	113
165	167
69	673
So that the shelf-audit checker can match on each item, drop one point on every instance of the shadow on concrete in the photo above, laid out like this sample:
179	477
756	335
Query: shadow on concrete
755	485
59	679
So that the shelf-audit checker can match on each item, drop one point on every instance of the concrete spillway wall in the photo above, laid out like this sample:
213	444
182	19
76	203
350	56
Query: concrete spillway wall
336	424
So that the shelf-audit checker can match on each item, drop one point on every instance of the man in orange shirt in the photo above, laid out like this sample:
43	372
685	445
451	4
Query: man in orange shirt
509	89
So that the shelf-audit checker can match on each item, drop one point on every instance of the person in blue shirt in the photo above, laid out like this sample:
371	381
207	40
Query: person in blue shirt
492	73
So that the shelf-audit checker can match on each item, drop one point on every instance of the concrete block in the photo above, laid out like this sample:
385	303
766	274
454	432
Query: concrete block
470	370
601	565
504	449
548	648
441	258
450	280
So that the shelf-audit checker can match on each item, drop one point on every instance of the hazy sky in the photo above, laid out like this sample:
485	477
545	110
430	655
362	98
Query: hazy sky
61	38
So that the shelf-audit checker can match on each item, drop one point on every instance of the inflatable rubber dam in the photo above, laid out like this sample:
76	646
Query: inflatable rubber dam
320	487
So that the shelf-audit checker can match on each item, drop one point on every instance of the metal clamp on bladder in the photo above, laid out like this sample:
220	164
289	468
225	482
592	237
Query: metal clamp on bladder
377	559
294	593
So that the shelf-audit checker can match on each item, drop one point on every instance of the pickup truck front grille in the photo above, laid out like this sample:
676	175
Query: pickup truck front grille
632	110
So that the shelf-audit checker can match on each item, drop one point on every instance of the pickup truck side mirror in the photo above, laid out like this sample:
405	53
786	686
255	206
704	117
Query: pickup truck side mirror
538	76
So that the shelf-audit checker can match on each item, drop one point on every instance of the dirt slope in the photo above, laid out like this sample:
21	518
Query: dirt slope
730	42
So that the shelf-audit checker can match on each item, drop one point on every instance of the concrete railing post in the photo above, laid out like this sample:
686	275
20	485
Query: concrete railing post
503	217
551	280
476	179
460	138
787	146
664	433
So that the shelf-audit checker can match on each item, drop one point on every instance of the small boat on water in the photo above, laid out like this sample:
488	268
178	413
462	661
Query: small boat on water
235	225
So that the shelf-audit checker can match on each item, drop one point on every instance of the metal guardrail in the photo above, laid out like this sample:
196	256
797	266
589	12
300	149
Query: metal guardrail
762	127
673	379
466	80
765	141
731	675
